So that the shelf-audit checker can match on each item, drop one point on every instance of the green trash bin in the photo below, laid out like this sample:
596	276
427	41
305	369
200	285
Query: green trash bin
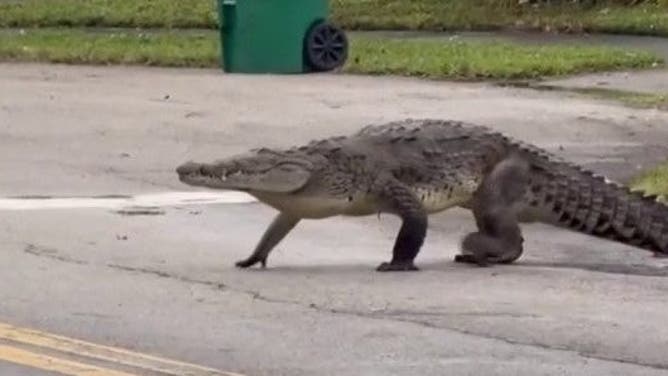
279	36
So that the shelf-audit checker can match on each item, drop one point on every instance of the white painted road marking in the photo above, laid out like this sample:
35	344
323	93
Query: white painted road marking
146	200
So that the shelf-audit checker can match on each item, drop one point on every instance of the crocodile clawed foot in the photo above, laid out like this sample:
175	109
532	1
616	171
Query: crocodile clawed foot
252	260
468	258
465	258
397	267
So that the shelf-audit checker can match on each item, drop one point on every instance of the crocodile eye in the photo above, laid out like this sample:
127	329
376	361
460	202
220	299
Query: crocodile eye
288	167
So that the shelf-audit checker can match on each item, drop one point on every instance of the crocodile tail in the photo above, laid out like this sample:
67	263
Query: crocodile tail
565	195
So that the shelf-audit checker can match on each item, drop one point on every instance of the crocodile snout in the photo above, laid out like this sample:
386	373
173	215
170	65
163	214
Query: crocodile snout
188	168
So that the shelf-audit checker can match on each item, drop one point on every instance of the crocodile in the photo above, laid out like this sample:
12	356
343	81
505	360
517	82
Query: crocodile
415	167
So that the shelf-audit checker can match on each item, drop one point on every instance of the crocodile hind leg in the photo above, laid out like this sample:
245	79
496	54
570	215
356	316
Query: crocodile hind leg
398	199
276	231
500	242
499	237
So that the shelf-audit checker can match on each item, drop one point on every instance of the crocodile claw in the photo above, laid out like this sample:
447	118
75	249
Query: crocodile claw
397	267
467	258
252	260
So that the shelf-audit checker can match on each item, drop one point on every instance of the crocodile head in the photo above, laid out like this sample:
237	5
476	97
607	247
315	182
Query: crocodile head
255	171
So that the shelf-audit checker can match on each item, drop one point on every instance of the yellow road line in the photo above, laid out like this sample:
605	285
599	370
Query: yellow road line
106	353
49	363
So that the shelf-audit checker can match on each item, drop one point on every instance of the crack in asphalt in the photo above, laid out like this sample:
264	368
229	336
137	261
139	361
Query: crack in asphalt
401	312
52	254
637	270
522	343
391	316
163	274
383	315
431	325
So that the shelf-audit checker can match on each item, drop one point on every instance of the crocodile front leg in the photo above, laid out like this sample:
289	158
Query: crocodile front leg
398	199
276	231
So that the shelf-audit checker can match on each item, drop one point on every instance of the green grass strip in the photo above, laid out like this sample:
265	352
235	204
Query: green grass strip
353	14
109	13
646	19
629	98
410	57
169	49
470	60
642	20
654	181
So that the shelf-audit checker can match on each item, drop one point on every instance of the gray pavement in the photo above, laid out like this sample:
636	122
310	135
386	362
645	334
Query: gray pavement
8	369
650	81
164	284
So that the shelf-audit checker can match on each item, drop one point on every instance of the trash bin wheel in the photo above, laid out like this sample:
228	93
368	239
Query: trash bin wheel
326	47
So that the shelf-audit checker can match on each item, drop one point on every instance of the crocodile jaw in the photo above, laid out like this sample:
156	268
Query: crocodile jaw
278	177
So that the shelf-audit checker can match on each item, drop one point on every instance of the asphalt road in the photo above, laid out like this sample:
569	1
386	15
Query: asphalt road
161	281
9	369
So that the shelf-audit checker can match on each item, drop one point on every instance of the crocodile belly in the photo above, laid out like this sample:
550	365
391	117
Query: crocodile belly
436	200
